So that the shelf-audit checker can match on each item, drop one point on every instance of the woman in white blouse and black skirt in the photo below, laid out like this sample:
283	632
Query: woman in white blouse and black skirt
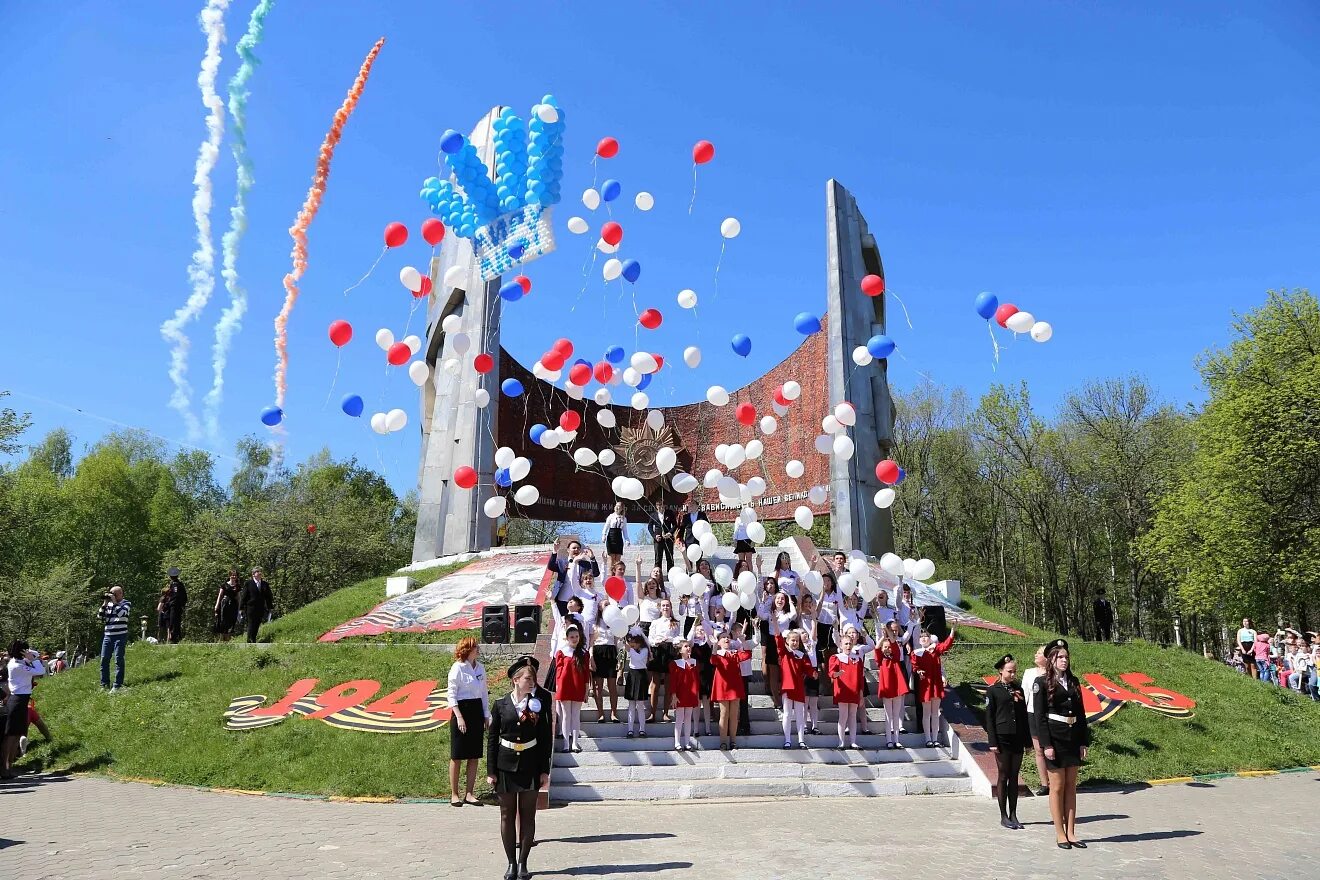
615	534
469	704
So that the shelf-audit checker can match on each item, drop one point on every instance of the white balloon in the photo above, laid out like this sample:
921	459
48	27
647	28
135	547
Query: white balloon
665	459
574	392
744	494
847	583
550	438
577	225
454	278
384	338
602	396
451	324
815	583
909	566
419	372
721	451
717	396
644	362
636	489
769	424
892	563
730	227
527	495
481	397
701	528
640	401
817	494
794	469
845	415
858	566
614	619
679	579
693	552
584	457
779	408
378	423
567	436
723	575
755	486
450	366
591	199
606	418
747	514
824	444
709	543
792	391
830	425
803	517
755	449
692	356
547	113
684	483
923	570
1041	331
612	269
631	377
414	343
494	506
746	582
730	601
520	468
728	487
396	419
617	485
607	457
843	447
687	299
884	498
747	600
861	357
712	479
869	587
734	456
461	342
631	613
504	457
1020	322
605	247
411	278
644	201
655	420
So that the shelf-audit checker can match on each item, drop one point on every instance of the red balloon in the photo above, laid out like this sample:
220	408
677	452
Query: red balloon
569	420
311	528
580	374
608	148
433	231
659	361
552	360
612	233
887	472
615	587
564	347
873	285
465	477
424	289
651	318
524	282
340	332
703	152
746	413
484	363
1004	312
395	235
780	398
398	354
604	372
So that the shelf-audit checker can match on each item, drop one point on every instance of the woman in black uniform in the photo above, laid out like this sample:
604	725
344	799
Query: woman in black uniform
1064	736
1006	726
518	750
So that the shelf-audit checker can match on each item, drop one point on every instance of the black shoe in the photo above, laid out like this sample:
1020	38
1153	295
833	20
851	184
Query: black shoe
1017	826
1063	845
631	734
511	873
1006	822
1077	844
1041	791
523	873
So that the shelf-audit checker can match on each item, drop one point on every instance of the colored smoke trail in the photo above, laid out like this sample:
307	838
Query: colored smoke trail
231	320
201	272
305	217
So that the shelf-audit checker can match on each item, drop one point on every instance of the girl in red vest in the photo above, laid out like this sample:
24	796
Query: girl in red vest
728	688
684	684
930	682
891	680
572	675
847	670
795	667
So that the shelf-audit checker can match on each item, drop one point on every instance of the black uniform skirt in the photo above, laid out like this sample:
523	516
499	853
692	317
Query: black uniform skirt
606	658
614	542
637	685
16	715
661	654
511	781
464	746
705	670
769	648
742	545
1067	748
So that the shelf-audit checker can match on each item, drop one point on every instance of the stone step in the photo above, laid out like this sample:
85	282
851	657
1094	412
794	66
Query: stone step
597	730
828	715
694	771
665	756
757	788
662	739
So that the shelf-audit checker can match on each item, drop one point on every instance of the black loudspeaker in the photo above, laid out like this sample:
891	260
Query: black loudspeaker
526	623
495	624
934	622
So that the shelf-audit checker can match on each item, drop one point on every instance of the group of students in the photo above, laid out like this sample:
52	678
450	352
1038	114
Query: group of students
686	654
1289	658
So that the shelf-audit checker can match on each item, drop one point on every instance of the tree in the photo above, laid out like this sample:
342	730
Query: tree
12	426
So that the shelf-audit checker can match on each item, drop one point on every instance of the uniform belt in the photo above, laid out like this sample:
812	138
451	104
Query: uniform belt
1063	719
517	747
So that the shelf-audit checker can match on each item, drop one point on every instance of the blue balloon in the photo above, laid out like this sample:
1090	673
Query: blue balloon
511	388
502	477
806	323
512	291
614	354
610	189
351	405
584	362
986	303
536	432
880	346
742	345
516	250
272	416
901	474
451	141
632	270
646	380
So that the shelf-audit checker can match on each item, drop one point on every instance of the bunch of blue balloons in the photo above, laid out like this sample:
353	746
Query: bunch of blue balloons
510	159
545	156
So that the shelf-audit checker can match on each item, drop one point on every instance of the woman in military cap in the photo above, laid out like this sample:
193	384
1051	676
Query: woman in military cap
1064	736
1006	726
518	752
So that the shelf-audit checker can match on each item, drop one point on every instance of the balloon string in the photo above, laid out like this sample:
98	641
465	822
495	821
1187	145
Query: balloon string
339	355
692	203
723	242
587	265
924	375
379	257
906	316
995	343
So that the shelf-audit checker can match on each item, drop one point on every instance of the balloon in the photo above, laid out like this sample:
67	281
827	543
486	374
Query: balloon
665	459
395	235
602	396
815	583
792	391
614	354
847	583
520	468
511	291
384	339
342	331
803	517
351	405
824	444
591	199
923	570
806	323
483	363
730	227
494	506
610	189
453	277
433	231
717	396
606	457
451	366
481	397
746	413
731	602
640	401
873	285
631	613
830	425
1021	322
769	425
687	299
612	269
577	225
703	152
615	587
723	575
884	498
580	374
986	304
880	346
1041	331
727	487
632	270
411	278
549	438
909	566
272	416
606	418
504	456
754	449
419	372
858	566
794	469
612	232
892	563
614	619
655	420
569	420
734	455
868	587
817	494
398	354
608	148
451	141
414	342
843	446
692	356
378	423
684	483
584	457
511	388
396	419
887	472
712	479
651	318
424	289
742	344
901	474
524	282
644	201
1004	312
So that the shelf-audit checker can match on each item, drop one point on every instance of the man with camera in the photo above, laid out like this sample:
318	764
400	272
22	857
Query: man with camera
114	613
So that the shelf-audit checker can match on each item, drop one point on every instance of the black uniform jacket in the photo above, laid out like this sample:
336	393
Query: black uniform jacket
1067	703
506	724
1006	716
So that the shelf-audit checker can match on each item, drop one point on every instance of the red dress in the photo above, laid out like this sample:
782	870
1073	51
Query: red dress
848	686
793	672
571	677
931	685
684	684
890	680
728	683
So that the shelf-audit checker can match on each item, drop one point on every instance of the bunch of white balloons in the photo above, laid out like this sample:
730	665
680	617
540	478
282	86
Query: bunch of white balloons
917	569
518	467
389	422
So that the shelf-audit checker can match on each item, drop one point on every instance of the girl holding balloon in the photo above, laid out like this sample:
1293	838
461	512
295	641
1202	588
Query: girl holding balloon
794	669
891	680
930	681
807	624
665	630
605	665
704	638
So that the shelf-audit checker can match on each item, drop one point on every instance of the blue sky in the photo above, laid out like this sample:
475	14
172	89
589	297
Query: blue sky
1132	175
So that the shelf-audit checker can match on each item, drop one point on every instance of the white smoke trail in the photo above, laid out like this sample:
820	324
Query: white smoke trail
201	272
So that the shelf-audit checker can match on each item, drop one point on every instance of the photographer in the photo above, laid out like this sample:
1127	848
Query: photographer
24	666
114	613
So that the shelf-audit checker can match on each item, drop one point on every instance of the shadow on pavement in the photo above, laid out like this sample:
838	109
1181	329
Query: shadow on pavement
5	844
606	838
1083	820
602	870
1148	835
25	783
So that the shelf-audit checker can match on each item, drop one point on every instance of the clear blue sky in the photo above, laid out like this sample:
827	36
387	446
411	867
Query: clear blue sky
1131	174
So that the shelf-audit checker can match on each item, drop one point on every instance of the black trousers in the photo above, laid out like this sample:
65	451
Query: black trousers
1104	631
664	554
253	624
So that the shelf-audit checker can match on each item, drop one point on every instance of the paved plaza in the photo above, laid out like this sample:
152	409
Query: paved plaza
81	828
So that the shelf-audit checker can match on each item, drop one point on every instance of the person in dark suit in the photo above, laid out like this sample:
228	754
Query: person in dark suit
1064	737
257	602
178	600
518	754
688	516
661	528
1006	728
1103	612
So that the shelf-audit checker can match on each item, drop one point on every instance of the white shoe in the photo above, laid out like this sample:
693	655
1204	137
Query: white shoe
22	745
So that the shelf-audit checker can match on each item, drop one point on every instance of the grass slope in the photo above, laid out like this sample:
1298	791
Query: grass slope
1240	724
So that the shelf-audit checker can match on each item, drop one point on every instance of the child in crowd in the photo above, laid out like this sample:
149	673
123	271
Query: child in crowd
636	681
794	668
847	670
665	629
930	682
728	688
572	672
891	680
604	667
807	624
683	684
703	641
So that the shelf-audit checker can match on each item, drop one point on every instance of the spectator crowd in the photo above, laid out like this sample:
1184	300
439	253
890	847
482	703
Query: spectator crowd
1287	658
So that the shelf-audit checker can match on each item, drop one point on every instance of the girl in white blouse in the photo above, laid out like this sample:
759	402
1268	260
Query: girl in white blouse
665	631
786	577
615	534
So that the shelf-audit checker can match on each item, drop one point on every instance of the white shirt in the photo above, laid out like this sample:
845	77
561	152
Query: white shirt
467	681
903	613
827	609
21	673
616	521
637	659
649	610
788	582
1028	679
604	636
740	531
663	630
884	614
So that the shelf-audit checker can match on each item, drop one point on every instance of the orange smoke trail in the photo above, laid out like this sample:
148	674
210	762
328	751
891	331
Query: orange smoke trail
308	213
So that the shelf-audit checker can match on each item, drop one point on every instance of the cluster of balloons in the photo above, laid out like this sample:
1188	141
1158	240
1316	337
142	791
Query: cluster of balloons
917	569
510	468
834	439
389	422
1010	317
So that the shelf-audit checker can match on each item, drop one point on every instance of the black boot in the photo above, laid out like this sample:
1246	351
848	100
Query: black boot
523	873
511	873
